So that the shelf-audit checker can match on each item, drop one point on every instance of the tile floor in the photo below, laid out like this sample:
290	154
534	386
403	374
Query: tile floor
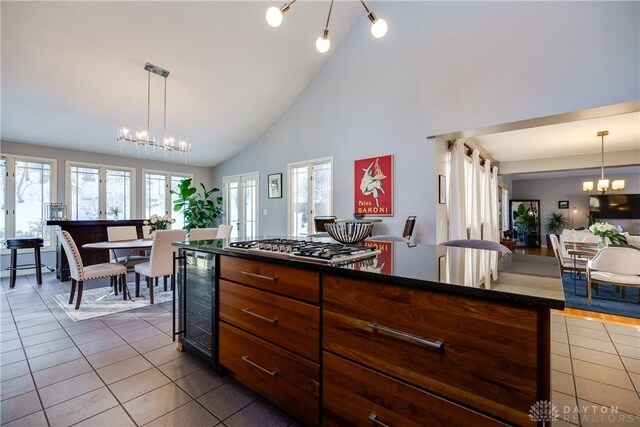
124	370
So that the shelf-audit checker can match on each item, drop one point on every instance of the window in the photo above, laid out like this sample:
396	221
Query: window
158	200
240	198
27	184
310	194
99	192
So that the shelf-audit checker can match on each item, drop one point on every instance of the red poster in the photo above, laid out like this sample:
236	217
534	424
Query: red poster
374	186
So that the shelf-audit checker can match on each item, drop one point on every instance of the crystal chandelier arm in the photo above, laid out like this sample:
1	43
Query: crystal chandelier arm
164	119
148	100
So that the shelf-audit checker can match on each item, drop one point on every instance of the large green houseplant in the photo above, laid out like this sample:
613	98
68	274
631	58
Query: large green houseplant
554	224
199	209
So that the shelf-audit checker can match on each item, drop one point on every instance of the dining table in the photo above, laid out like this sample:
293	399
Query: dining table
133	245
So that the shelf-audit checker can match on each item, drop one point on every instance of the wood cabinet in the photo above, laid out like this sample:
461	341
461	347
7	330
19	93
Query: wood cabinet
354	395
478	353
270	332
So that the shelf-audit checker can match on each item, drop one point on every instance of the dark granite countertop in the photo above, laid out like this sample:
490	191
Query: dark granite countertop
518	279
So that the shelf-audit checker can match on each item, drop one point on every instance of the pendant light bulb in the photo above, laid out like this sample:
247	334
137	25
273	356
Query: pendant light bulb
323	44
379	28
274	16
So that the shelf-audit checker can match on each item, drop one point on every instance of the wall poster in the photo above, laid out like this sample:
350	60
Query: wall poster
373	182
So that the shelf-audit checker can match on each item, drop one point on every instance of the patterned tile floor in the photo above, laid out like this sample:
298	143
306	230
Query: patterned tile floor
124	370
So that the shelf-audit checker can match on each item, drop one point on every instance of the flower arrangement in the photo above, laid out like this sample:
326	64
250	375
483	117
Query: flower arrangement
604	230
157	222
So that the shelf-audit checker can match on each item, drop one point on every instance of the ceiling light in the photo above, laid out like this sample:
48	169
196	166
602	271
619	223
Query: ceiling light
379	27
322	43
603	184
141	138
274	14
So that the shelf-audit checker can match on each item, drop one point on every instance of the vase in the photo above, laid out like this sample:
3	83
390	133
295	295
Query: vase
602	243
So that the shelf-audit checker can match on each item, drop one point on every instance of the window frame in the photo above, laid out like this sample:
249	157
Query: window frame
10	195
102	186
167	182
290	190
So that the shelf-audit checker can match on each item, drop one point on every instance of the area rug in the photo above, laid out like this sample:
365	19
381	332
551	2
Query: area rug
102	301
608	299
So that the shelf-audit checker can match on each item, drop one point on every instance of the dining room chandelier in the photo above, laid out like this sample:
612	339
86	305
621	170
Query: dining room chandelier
603	184
142	137
378	26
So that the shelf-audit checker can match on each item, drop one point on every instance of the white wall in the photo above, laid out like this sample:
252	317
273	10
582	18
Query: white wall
444	67
551	190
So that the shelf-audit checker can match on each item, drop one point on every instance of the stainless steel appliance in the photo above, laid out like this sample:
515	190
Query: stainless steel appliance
306	251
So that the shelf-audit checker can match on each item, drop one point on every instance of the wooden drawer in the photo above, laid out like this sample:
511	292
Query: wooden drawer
283	321
288	281
352	395
489	352
287	380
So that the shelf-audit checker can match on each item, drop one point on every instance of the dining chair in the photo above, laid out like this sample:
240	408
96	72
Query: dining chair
160	262
477	244
79	273
618	266
125	257
320	221
146	232
203	233
224	231
567	264
409	224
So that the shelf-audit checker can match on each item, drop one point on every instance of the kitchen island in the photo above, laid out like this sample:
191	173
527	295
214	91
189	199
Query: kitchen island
417	335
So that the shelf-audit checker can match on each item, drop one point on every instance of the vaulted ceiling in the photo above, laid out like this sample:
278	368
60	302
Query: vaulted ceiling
72	72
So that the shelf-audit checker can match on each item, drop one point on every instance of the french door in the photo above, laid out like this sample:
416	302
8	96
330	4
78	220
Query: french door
240	200
310	194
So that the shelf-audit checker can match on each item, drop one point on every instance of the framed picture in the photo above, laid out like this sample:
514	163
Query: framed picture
373	186
274	182
442	189
563	204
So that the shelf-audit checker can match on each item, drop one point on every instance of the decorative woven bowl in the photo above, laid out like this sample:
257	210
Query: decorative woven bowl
349	232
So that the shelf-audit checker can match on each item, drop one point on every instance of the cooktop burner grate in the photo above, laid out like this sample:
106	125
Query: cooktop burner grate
318	252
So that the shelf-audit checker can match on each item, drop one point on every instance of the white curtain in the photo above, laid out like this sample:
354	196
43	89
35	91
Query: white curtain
476	191
457	220
495	226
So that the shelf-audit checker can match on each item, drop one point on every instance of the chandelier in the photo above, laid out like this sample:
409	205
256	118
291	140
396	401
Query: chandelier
378	26
603	184
142	138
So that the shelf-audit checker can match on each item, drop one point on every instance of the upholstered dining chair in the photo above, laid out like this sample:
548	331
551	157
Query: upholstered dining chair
203	233
79	273
618	266
125	257
160	262
567	264
146	232
224	231
477	244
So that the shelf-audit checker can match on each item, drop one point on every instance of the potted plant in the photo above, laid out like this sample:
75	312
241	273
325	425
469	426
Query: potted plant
526	223
554	224
199	209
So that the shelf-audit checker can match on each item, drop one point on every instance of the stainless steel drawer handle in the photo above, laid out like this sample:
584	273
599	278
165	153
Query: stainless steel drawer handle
255	365
258	276
406	336
251	313
374	419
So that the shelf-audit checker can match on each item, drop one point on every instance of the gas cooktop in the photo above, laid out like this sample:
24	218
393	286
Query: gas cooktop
303	250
